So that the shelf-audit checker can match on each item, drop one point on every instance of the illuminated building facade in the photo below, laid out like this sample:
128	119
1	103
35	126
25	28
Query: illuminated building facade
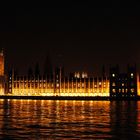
2	77
123	84
58	85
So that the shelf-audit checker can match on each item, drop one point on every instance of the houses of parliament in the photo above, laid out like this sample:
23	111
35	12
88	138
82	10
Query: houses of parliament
77	84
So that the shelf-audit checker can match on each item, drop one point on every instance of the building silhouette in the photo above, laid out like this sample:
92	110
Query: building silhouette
54	82
123	84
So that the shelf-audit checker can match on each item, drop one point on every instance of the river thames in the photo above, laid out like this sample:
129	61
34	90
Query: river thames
76	120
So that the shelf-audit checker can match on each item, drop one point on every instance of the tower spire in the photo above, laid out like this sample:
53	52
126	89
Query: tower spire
1	62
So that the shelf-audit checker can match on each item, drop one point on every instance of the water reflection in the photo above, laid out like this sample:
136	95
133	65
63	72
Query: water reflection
40	119
124	122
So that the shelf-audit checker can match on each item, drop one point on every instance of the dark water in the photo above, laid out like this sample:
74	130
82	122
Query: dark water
31	119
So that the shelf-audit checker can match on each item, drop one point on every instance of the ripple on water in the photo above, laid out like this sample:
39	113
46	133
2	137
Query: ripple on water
69	119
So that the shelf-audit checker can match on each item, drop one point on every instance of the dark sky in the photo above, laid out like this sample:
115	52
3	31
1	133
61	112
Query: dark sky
80	36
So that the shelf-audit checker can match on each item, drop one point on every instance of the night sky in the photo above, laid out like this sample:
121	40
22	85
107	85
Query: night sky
79	36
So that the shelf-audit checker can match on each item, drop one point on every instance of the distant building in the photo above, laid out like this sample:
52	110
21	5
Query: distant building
54	82
123	84
58	85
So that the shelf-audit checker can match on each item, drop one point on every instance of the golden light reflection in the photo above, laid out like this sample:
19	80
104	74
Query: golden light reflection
35	116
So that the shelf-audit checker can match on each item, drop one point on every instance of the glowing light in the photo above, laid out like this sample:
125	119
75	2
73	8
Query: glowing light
113	75
132	75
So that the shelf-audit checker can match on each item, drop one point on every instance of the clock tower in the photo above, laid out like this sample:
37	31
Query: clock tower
2	77
1	63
